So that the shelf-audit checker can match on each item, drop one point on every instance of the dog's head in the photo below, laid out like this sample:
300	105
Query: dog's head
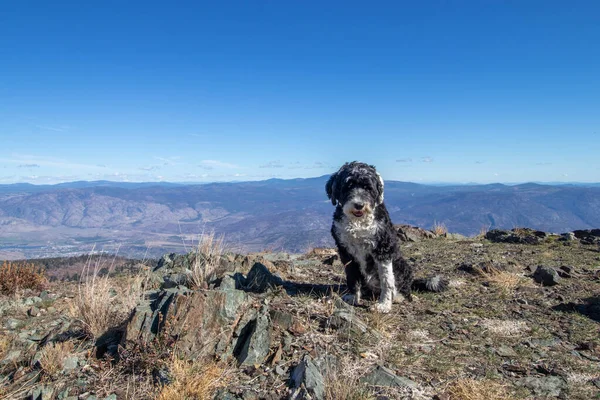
357	188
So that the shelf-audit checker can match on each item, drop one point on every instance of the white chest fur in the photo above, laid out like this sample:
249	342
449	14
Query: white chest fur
359	237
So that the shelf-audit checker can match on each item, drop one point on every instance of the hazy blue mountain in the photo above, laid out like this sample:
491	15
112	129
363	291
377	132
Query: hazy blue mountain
277	214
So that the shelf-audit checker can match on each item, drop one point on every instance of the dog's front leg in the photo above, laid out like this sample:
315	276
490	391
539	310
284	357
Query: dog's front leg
388	287
354	283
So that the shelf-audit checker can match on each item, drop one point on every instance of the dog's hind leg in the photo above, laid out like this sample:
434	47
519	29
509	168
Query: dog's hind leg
403	273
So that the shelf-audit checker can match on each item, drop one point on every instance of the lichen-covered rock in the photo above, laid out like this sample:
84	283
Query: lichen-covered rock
307	381
547	276
517	235
260	279
255	344
382	376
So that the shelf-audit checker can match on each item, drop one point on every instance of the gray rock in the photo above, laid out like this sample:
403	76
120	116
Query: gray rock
307	380
11	357
281	319
567	237
454	236
506	351
407	233
517	235
255	348
205	321
260	279
227	283
33	312
42	392
279	370
12	323
70	363
346	320
382	376
547	276
551	386
151	313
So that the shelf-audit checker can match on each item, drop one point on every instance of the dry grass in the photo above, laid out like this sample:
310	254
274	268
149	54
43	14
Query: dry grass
505	328
507	281
5	342
100	304
208	256
53	356
343	382
18	276
439	228
477	389
194	380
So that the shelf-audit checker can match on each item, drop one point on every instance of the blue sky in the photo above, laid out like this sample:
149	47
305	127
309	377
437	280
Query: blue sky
431	91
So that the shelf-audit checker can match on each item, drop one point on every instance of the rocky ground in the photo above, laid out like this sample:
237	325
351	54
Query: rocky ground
521	319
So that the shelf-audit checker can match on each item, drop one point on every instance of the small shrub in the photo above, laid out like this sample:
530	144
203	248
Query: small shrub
20	275
208	257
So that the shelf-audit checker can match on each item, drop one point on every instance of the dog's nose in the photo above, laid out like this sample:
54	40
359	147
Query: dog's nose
358	206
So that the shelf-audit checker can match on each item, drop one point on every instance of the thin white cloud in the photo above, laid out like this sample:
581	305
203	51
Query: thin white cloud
272	164
29	166
217	164
427	159
43	161
404	160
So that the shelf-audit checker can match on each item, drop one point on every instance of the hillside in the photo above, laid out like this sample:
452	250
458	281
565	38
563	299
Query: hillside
519	321
289	215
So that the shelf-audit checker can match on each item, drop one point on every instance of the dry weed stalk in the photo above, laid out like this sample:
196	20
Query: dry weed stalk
98	304
439	228
208	257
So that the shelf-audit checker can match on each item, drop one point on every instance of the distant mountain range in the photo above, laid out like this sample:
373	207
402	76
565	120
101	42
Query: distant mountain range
291	215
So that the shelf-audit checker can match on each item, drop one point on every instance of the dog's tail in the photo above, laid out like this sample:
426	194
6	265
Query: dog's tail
432	284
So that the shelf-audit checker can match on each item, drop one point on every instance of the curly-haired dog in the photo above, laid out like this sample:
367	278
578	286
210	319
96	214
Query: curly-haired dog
366	239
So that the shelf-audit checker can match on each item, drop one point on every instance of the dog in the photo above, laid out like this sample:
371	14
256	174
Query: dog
366	239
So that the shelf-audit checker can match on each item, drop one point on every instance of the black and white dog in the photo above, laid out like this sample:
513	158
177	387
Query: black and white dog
366	239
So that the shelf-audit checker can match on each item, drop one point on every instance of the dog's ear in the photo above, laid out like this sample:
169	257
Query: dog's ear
331	189
379	189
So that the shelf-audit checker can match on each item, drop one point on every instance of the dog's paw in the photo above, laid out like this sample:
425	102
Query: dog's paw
382	308
351	299
398	298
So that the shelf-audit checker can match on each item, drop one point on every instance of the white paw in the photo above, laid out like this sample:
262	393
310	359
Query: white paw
398	298
351	299
382	308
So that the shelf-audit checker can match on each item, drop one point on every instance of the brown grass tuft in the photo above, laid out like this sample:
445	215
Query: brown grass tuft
53	356
439	228
194	380
100	304
20	275
477	389
208	257
344	383
507	281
